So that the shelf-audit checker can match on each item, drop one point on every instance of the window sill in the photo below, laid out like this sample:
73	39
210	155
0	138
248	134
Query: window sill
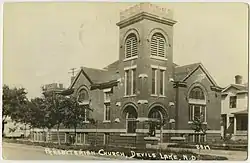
106	121
131	58
162	96
107	101
86	122
190	122
158	58
151	138
154	95
128	134
129	96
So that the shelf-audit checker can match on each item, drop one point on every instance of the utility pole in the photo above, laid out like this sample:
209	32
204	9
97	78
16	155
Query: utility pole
72	71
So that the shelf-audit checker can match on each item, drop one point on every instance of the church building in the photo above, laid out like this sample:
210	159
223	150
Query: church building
144	97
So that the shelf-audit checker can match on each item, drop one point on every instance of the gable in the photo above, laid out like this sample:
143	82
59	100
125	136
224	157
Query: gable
200	73
236	87
80	79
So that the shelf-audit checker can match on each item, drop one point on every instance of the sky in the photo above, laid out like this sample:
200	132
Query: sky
43	41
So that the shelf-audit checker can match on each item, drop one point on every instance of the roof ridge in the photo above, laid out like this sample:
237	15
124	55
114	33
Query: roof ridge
93	68
188	64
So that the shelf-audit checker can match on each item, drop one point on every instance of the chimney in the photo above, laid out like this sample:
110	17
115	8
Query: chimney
238	79
61	86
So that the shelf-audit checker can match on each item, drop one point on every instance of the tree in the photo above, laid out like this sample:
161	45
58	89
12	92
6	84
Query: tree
199	127
14	104
75	113
55	116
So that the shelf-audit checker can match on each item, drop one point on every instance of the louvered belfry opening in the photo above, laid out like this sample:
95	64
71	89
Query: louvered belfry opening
131	46
158	45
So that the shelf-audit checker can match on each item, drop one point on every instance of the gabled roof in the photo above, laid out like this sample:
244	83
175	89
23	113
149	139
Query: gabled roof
113	66
96	76
239	87
182	71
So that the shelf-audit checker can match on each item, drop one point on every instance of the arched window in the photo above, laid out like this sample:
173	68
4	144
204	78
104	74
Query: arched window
131	116
131	46
158	45
83	99
197	110
197	93
197	104
83	96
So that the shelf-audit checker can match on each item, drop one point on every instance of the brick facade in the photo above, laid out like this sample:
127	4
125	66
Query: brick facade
143	25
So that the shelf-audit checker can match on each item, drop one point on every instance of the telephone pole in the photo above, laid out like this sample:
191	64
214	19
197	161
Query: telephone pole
72	71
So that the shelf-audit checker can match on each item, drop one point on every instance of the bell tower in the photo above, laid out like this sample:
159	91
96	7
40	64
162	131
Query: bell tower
146	52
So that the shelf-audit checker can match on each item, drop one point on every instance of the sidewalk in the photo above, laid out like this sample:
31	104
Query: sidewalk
231	155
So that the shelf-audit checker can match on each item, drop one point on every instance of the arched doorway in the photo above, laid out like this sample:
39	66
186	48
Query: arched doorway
130	115
156	117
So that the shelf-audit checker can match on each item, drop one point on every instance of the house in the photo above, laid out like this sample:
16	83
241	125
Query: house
143	89
234	105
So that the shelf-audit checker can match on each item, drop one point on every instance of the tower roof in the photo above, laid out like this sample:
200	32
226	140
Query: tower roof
146	11
148	8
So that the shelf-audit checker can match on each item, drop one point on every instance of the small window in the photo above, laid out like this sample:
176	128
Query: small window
131	46
233	101
134	81
162	81
107	96
130	82
85	138
78	138
106	139
127	83
83	96
107	112
154	76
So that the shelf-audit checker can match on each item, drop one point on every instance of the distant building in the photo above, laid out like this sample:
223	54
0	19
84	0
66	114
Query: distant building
13	129
145	86
53	87
234	105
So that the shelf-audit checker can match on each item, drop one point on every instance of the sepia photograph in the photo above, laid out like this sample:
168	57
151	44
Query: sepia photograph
125	81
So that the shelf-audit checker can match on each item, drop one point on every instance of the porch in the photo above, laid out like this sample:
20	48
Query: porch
240	125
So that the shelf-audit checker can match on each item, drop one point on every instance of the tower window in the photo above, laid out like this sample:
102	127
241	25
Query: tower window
131	46
154	79
130	82
158	45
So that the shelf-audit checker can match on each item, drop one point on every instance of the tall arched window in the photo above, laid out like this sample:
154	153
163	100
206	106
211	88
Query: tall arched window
197	104
83	99
158	45
131	46
197	110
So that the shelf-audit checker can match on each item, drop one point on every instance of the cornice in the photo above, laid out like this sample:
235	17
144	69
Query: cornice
145	15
